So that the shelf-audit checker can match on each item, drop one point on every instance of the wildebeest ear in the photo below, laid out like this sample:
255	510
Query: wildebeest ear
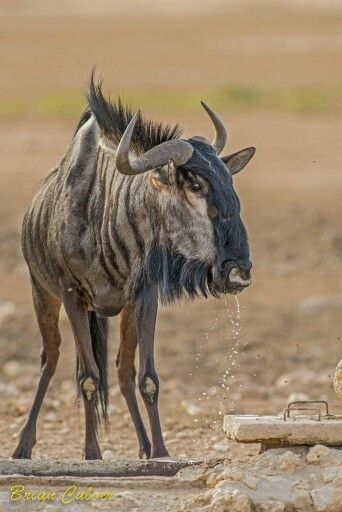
237	161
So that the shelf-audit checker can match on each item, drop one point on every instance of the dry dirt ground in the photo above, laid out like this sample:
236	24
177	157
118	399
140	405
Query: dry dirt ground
284	334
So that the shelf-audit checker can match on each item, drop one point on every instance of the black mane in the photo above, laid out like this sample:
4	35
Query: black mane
113	118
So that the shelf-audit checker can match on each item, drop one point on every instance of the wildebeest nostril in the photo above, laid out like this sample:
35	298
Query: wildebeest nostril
240	278
245	273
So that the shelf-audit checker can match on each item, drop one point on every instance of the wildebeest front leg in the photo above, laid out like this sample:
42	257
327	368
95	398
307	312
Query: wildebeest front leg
126	374
78	316
148	379
47	310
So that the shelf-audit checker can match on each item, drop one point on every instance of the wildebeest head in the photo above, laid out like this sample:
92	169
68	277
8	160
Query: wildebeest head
201	208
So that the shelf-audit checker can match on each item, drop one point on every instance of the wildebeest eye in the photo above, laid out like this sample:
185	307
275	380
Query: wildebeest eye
195	187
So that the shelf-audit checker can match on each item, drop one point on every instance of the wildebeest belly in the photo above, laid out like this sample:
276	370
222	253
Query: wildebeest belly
103	295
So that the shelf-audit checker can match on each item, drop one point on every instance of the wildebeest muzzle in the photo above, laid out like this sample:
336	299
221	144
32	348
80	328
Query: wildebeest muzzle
233	277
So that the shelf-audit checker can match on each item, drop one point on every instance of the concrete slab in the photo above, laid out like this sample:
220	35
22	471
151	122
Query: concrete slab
94	468
273	431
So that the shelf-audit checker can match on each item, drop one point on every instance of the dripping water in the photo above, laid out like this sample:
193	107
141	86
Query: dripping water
228	390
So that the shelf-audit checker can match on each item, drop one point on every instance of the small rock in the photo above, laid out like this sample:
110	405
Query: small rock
12	369
50	416
234	474
266	462
250	481
54	405
190	408
7	310
338	380
328	498
317	454
290	462
272	506
230	500
108	455
315	304
8	389
329	474
222	446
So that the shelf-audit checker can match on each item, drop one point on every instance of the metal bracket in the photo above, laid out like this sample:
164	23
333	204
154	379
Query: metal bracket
297	404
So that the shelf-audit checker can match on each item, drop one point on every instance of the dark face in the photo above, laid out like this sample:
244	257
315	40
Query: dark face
209	177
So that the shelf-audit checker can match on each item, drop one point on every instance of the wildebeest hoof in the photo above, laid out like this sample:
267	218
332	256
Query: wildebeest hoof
22	452
159	452
145	452
93	453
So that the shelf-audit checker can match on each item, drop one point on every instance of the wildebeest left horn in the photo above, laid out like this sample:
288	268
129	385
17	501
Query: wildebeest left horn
221	133
177	150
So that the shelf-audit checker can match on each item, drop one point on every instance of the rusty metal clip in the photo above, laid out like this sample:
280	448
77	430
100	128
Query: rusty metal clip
286	413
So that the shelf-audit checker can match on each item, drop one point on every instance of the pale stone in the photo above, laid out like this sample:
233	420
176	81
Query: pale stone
290	462
50	416
8	389
301	430
232	500
272	506
329	474
108	455
250	481
328	498
317	303
12	369
190	408
54	404
222	446
234	474
7	310
338	380
317	453
266	463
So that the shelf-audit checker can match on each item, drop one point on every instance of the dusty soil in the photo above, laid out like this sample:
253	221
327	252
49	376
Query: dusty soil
284	336
279	480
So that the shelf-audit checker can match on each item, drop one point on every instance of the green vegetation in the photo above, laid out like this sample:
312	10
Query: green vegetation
69	103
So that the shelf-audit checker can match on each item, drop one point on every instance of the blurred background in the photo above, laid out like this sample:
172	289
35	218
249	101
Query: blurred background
273	71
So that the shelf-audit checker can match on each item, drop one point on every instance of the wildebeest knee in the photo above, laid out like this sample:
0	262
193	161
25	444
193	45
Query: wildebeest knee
49	360
149	388
89	387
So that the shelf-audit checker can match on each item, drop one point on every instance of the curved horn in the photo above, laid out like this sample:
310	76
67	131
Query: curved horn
221	133
177	150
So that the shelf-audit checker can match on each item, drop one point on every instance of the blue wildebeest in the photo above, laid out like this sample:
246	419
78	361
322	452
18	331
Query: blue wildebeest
132	215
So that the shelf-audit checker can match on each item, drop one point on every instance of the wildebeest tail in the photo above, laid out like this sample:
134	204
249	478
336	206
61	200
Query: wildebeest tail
99	340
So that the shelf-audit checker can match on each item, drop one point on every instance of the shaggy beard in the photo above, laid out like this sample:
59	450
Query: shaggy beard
175	276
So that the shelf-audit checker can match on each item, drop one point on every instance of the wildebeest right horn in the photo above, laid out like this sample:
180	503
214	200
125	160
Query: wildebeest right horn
177	150
221	133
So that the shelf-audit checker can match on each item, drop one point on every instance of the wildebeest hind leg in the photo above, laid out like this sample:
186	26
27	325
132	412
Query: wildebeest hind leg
126	374
47	311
